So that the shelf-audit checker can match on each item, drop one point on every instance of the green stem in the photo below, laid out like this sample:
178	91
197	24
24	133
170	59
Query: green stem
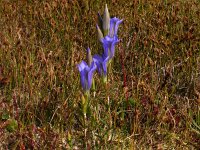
85	103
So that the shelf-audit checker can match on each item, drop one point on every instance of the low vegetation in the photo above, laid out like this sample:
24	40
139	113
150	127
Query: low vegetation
153	95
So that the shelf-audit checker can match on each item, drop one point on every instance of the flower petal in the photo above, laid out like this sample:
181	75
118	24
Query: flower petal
109	46
82	66
104	65
112	48
83	72
101	63
98	61
90	75
114	24
86	74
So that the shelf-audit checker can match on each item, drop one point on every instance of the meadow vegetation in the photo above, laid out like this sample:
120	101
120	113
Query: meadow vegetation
152	97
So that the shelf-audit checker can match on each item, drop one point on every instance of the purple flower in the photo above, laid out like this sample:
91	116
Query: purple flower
111	39
108	26
101	62
114	25
109	46
86	73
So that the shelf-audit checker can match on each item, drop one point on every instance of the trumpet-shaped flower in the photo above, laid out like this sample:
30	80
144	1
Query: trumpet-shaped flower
110	39
109	46
86	73
108	26
114	25
101	62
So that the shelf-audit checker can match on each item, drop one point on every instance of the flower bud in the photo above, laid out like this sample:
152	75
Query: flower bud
100	34
89	56
106	21
100	21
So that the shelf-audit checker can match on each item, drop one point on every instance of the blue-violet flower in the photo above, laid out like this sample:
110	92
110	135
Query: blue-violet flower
101	62
114	24
86	73
109	46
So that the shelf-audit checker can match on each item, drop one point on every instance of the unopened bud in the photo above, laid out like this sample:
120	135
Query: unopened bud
100	21
89	57
100	34
106	21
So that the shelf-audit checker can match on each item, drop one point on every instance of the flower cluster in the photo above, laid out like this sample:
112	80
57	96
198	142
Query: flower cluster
107	34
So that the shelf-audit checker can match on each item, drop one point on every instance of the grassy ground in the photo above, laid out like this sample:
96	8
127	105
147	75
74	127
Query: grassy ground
153	95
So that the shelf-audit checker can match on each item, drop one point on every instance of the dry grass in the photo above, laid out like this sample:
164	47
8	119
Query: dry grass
153	96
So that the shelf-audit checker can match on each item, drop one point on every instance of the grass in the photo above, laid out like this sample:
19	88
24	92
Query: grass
153	95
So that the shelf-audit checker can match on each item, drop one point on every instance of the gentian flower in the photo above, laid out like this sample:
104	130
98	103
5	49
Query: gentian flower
101	62
108	26
108	37
111	39
86	73
114	24
109	46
